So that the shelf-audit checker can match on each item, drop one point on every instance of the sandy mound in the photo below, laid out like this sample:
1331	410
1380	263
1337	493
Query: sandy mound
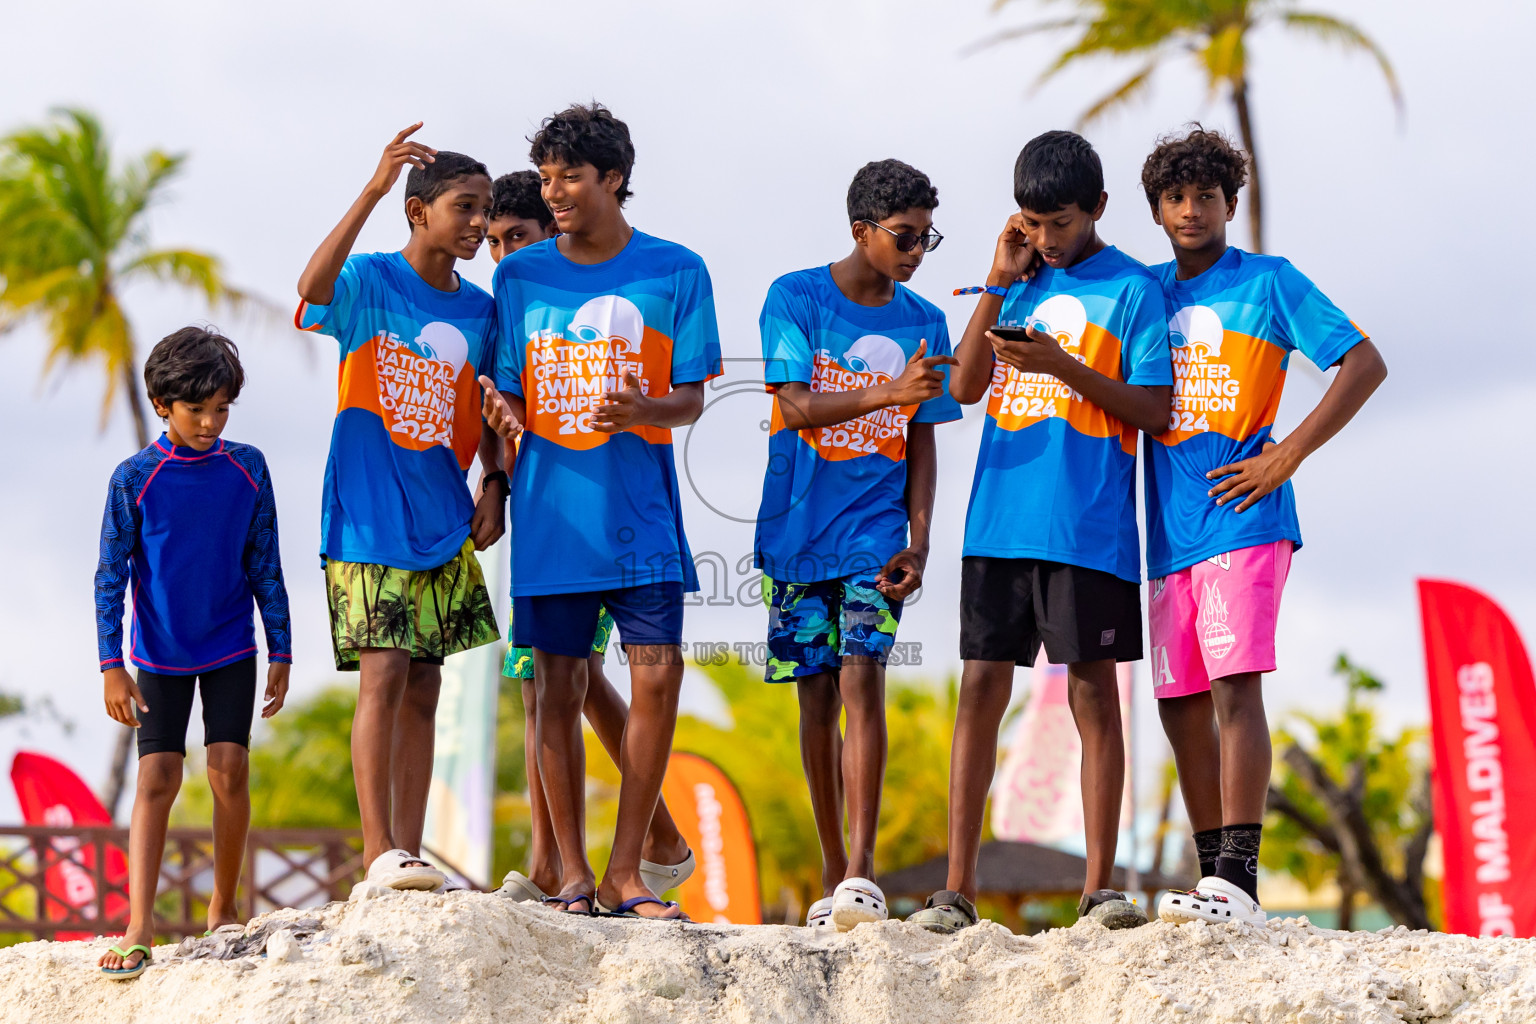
424	959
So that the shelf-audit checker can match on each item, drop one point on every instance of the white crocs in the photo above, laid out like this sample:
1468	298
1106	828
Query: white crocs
1214	901
661	878
857	901
819	918
399	869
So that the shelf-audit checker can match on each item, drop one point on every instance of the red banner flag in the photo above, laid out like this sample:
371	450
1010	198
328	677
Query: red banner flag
1482	704
52	795
710	815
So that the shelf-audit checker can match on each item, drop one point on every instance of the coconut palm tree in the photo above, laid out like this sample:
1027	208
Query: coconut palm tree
1215	33
72	237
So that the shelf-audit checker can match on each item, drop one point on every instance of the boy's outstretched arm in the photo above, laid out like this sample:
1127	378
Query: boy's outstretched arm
1361	371
318	282
903	574
804	409
1010	263
632	407
503	411
1144	407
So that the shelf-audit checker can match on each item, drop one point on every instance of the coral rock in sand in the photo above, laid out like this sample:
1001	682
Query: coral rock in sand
423	958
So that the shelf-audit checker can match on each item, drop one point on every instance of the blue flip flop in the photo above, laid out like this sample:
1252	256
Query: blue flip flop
627	910
566	901
128	973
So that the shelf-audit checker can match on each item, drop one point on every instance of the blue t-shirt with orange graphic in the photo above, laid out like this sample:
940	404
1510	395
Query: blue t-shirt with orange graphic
407	412
834	498
594	511
1234	329
1056	475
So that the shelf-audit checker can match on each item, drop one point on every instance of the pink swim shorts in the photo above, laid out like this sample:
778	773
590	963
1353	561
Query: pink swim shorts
1216	618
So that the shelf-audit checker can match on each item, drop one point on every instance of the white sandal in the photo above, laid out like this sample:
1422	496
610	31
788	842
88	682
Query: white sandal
1214	901
857	901
819	918
660	878
398	869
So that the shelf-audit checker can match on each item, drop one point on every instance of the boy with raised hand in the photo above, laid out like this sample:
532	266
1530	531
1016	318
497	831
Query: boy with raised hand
1221	517
400	526
519	218
191	524
858	367
607	335
1051	547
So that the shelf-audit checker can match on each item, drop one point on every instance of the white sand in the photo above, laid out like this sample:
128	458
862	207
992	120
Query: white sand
425	959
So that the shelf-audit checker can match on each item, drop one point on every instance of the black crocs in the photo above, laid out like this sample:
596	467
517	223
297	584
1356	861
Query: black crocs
946	912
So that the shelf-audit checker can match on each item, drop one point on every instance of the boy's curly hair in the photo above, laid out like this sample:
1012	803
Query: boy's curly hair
1198	156
517	195
884	188
586	133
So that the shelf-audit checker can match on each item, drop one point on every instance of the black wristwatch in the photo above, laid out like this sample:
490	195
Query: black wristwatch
500	476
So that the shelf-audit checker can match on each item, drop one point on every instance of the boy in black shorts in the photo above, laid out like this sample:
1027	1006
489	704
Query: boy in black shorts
191	524
1051	550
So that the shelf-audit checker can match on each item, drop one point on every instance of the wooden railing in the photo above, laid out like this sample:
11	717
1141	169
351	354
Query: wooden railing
297	867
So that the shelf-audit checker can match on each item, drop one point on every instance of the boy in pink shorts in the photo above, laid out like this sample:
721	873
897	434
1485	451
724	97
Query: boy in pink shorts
1221	517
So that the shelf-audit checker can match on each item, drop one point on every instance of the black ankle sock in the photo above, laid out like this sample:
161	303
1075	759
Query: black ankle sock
1238	861
1207	847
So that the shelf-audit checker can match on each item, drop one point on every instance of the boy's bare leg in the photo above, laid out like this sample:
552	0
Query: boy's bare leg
1190	724
862	686
411	769
1245	750
1094	695
821	754
543	856
608	713
382	675
229	772
159	782
986	687
561	682
656	677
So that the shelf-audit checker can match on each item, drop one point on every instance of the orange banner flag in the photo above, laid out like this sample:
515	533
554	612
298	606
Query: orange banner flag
710	815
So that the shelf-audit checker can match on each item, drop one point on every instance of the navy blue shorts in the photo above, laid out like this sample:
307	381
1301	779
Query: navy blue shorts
564	623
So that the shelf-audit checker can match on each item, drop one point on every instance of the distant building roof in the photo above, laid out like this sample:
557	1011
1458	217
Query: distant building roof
1016	869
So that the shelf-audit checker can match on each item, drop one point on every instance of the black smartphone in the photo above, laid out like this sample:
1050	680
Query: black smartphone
1010	332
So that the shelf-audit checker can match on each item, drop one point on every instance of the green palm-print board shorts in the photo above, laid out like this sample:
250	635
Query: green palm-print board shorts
518	663
430	612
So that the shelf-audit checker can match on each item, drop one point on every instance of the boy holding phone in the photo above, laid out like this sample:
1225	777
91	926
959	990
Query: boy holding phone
1051	549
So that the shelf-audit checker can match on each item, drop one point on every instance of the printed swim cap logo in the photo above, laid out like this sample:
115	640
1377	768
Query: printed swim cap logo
570	369
876	354
612	319
1021	399
417	383
1199	329
1063	317
1202	381
870	360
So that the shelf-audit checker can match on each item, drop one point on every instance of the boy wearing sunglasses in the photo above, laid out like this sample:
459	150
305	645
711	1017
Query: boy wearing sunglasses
1051	549
858	367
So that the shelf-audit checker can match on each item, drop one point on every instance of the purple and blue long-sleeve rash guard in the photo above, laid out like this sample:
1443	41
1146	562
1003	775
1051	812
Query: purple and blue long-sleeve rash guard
195	535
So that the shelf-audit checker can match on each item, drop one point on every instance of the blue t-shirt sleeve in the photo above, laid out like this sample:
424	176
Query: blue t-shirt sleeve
942	408
787	354
696	348
1304	320
264	565
340	316
119	536
1145	356
507	362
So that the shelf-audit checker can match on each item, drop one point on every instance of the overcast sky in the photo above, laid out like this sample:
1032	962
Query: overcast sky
749	121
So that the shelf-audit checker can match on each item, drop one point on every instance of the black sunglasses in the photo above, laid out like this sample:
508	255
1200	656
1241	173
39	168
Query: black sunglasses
906	241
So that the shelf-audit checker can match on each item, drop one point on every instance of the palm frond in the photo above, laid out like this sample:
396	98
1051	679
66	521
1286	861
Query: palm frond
1127	91
1022	31
1335	30
186	267
1224	58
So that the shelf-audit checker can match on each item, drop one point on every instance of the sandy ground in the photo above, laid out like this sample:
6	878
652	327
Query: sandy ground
424	959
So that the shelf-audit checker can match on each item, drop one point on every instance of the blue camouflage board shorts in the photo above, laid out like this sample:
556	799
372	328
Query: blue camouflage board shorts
813	626
518	663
